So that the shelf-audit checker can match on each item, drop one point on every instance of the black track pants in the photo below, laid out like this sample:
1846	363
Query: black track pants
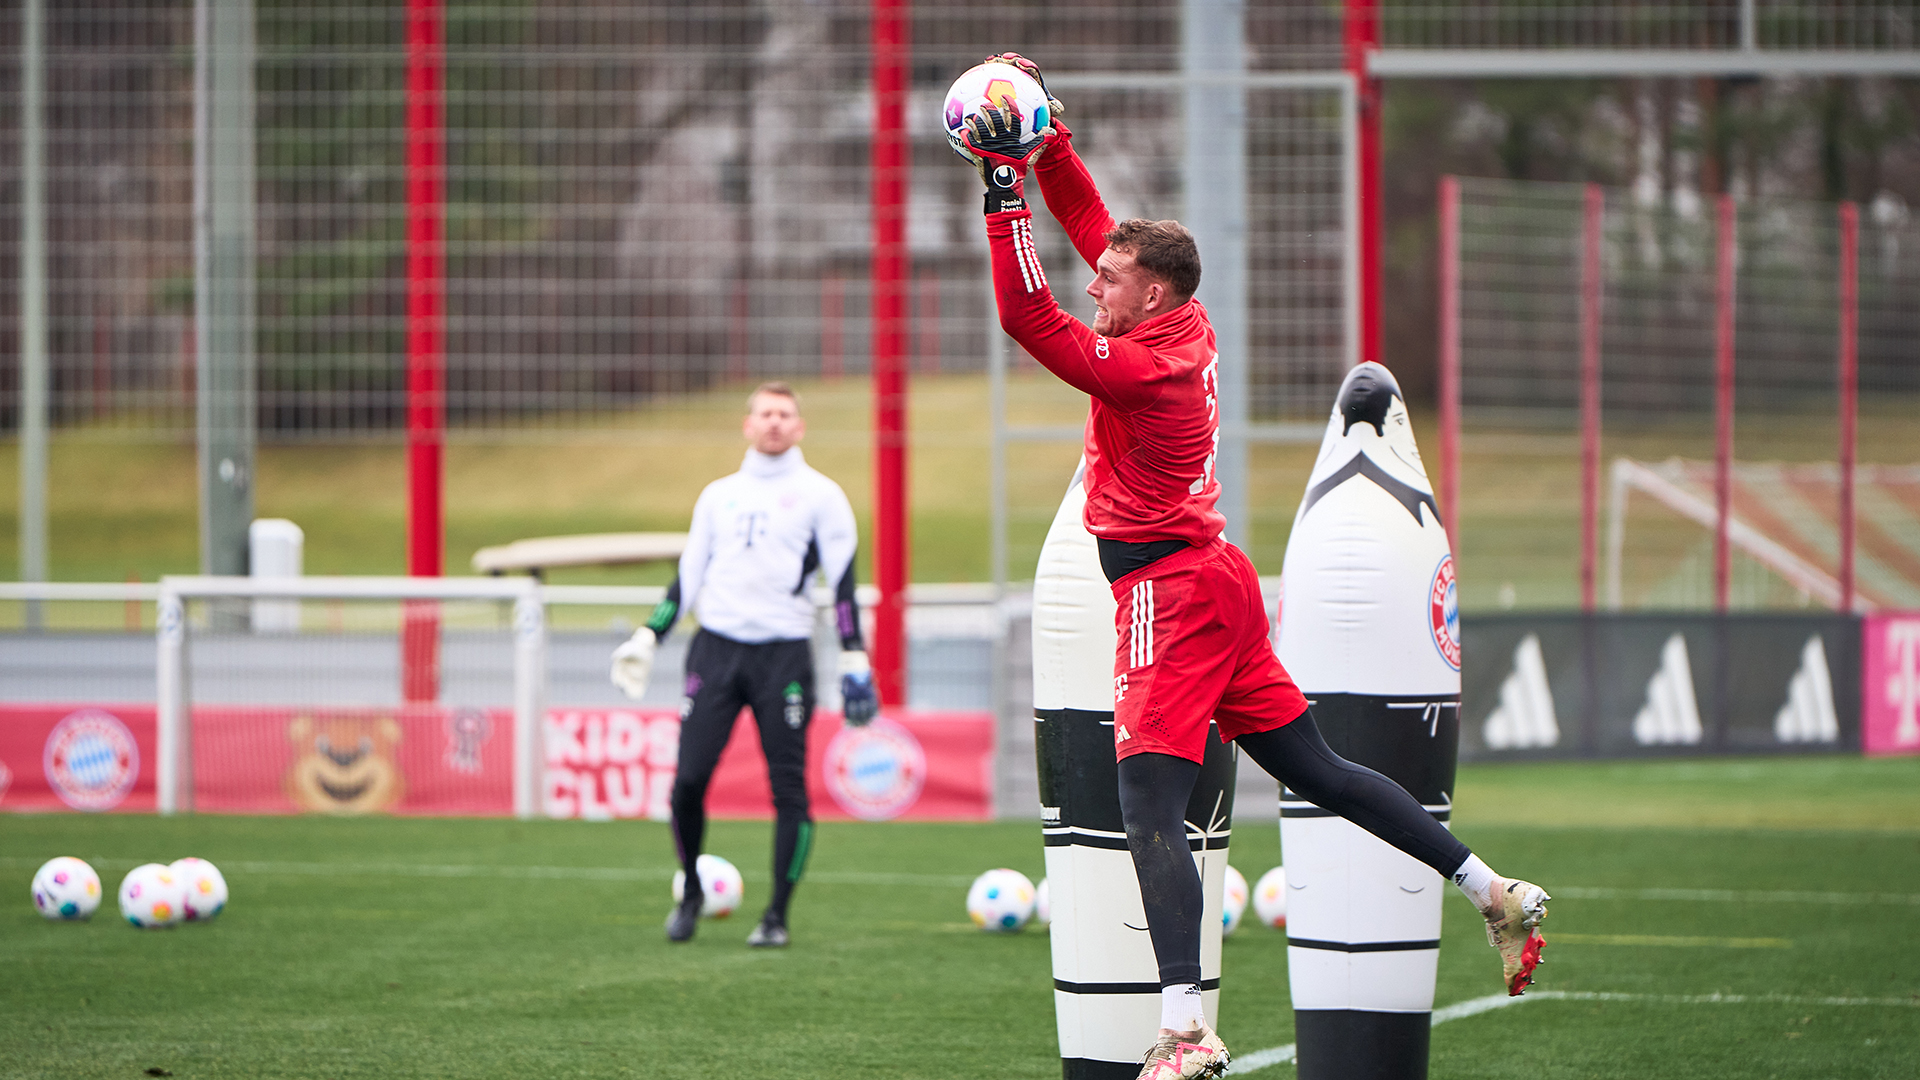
1154	789
775	680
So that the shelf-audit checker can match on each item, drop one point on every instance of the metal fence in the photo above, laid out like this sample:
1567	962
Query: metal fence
643	199
1520	258
1591	24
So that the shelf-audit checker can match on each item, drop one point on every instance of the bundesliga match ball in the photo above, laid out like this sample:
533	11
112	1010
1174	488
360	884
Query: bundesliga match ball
1043	904
1002	85
1233	901
720	886
151	897
1000	900
1270	898
66	889
203	888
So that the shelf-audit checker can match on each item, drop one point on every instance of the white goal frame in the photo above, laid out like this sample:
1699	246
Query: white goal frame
174	738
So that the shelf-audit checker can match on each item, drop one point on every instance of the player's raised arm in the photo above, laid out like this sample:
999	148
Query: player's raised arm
1120	373
1064	180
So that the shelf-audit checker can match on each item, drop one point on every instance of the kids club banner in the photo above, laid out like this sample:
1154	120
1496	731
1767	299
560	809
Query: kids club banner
926	766
440	760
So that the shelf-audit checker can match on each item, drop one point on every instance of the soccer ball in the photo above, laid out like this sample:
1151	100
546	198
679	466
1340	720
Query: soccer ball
151	897
1000	900
1233	901
1002	85
1043	904
720	886
204	888
66	888
1270	898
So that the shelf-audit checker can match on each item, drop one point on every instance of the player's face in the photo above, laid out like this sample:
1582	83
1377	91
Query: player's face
773	423
1124	296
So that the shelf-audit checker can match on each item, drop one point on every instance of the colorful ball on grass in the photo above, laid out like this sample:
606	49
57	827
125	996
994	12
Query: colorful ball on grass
1233	901
721	888
151	897
1043	904
1000	901
1270	898
66	889
203	888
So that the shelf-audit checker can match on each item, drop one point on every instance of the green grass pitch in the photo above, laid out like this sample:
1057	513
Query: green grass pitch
487	948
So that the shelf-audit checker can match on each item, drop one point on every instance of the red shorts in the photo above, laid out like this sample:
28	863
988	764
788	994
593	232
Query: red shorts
1193	647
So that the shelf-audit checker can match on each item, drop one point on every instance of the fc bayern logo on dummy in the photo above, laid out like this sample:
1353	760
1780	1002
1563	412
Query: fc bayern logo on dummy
875	772
91	760
1443	612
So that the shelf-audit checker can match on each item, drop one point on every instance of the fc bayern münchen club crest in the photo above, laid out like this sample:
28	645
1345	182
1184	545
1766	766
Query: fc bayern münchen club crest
1443	612
91	760
875	772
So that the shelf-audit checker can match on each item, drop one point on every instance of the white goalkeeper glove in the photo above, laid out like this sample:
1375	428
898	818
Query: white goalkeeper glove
633	662
858	702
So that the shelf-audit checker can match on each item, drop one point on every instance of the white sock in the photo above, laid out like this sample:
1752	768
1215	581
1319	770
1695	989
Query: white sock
1180	1008
1476	879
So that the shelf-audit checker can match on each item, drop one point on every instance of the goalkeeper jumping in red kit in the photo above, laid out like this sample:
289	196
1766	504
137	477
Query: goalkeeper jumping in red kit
1193	644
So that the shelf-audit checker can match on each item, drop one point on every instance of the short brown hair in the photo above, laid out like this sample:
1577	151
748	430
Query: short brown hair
1164	249
774	387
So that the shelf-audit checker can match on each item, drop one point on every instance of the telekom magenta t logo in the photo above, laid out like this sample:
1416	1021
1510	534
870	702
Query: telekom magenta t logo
1903	680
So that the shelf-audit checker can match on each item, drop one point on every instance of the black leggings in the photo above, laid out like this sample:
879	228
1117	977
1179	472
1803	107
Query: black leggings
1154	789
775	680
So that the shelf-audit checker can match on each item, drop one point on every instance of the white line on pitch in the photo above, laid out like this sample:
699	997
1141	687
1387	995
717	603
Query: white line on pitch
1280	1055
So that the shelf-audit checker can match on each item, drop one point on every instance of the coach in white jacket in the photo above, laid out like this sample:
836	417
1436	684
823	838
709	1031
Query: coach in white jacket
758	538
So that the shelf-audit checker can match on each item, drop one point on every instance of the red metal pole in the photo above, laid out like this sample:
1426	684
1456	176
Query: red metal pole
1450	357
1723	405
892	51
1849	386
1590	297
426	338
1363	39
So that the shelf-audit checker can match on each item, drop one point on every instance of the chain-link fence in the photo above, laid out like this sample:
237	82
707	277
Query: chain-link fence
1585	24
1521	247
1520	258
643	199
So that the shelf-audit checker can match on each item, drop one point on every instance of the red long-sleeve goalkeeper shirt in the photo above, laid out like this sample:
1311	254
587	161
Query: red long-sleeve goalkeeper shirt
1154	427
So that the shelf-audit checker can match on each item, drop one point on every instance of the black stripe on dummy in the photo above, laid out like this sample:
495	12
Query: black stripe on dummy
1122	988
1080	780
1413	740
1094	1069
1363	946
1374	1045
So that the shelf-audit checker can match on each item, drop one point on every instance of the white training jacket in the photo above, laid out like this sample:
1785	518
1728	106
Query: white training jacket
757	539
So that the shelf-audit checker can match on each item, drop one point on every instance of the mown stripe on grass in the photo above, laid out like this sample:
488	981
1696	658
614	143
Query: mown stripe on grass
1281	1055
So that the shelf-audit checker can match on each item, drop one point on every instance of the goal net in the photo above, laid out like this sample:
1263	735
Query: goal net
350	695
1784	527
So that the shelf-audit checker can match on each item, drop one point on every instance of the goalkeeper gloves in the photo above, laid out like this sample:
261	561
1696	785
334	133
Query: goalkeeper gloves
633	662
1054	108
858	702
994	138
